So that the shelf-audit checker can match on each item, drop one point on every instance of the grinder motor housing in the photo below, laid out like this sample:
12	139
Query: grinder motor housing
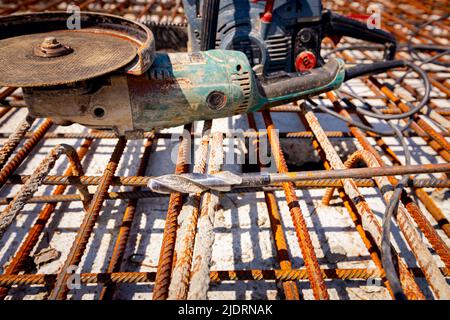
178	88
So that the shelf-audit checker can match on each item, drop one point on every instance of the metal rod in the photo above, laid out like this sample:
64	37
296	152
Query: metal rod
187	221
166	256
369	222
32	237
317	283
107	292
319	179
61	289
216	276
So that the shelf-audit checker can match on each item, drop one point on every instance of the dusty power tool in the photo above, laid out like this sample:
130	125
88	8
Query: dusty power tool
107	75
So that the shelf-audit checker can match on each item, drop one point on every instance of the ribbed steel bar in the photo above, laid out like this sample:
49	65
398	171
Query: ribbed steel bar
445	89
431	110
187	220
369	221
4	111
60	289
17	262
155	9
8	214
443	112
435	139
14	139
6	92
107	292
422	123
354	212
24	151
435	211
174	136
413	209
313	182
166	256
310	184
437	243
204	241
216	276
398	15
290	288
317	283
226	180
424	258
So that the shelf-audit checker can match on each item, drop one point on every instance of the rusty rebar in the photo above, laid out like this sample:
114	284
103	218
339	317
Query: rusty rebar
437	243
6	92
107	292
187	221
317	283
61	289
164	135
319	182
166	256
310	184
24	151
423	256
204	241
422	123
404	18
354	212
226	180
369	222
32	237
8	215
14	139
290	288
413	209
215	276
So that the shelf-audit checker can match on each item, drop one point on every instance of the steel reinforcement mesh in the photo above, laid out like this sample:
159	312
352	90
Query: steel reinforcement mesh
88	228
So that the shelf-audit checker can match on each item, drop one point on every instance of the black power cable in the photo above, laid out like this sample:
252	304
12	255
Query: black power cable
379	67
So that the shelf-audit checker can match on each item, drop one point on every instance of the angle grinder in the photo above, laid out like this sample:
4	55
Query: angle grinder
107	75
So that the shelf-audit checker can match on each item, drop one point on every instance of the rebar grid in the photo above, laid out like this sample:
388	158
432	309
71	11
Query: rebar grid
177	259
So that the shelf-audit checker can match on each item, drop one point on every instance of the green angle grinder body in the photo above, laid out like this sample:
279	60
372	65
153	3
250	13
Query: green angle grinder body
107	75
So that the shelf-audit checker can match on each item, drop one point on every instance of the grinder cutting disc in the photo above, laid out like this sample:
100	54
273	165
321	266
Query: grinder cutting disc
87	55
39	49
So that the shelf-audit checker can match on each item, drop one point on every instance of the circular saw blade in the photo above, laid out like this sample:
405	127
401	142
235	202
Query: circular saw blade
94	54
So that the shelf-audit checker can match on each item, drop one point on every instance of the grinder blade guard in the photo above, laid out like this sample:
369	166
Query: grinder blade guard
65	72
32	55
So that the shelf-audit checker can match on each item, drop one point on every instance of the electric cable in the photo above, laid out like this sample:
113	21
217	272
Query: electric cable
367	69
